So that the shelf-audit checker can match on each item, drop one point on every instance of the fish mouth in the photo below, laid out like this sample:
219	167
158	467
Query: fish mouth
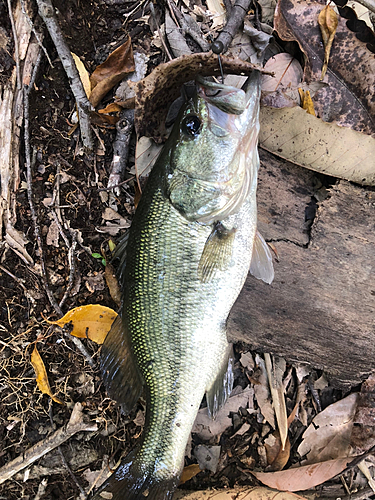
228	99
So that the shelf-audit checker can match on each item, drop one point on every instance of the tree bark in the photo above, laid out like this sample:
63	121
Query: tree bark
320	307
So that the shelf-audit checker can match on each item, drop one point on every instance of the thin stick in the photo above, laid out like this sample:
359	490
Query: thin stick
84	107
72	264
63	459
75	424
16	51
80	347
30	188
170	57
37	35
124	129
175	13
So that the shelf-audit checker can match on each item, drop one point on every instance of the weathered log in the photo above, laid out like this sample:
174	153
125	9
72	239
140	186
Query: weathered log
320	307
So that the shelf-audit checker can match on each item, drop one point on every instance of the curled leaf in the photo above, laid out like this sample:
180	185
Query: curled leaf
41	375
92	321
118	64
328	23
306	101
83	73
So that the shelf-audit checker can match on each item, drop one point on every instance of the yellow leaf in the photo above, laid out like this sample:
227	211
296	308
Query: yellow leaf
83	73
328	23
93	321
41	375
189	472
113	107
306	101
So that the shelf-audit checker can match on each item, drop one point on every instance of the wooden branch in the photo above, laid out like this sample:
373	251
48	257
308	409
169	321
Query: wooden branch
75	424
319	309
47	12
235	19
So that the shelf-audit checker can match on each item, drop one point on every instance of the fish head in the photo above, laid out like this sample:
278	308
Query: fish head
209	174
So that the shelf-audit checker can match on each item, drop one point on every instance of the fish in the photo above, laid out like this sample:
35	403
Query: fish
182	265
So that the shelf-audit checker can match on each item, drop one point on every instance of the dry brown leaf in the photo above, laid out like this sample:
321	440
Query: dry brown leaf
189	472
92	321
275	371
146	154
102	120
118	64
41	375
277	457
307	141
328	23
262	392
305	477
83	74
239	493
112	283
328	435
348	97
158	90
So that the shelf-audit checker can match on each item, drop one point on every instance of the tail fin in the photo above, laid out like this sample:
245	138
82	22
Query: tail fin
132	482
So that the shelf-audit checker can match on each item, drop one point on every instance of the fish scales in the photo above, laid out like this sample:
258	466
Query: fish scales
174	313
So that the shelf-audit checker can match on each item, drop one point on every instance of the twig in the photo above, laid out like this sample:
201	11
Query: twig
41	489
234	21
37	35
170	57
75	424
63	459
30	188
187	30
72	264
16	51
84	107
124	129
80	347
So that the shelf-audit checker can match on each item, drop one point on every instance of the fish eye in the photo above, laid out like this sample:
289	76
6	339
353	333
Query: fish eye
191	125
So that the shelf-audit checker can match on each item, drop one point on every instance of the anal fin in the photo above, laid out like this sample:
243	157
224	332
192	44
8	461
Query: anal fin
120	373
217	252
261	266
219	392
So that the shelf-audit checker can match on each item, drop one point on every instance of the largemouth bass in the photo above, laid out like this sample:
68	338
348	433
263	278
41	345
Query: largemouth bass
183	264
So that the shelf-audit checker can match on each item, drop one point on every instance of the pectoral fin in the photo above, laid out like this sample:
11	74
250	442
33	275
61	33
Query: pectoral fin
217	252
218	393
120	373
261	261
